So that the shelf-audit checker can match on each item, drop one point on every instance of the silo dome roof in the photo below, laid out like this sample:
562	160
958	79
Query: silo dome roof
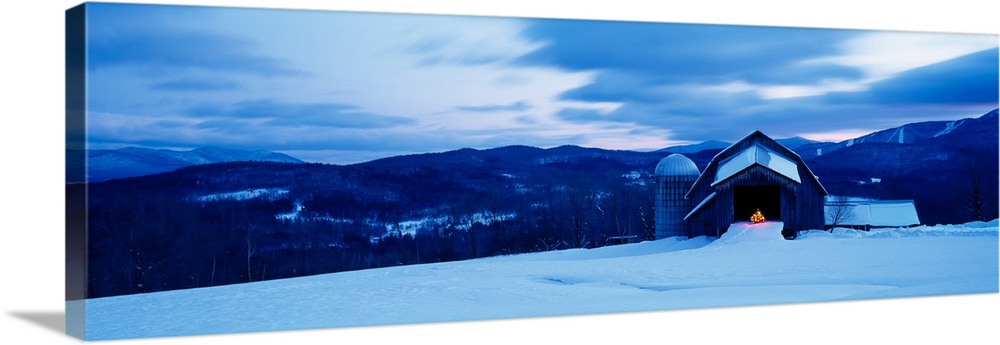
676	165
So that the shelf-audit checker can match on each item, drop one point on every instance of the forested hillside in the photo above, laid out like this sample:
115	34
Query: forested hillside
239	222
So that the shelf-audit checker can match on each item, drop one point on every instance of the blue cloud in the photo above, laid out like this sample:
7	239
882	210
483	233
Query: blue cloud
651	63
616	86
971	78
147	37
185	50
655	70
433	51
298	114
671	53
720	120
579	115
194	85
516	106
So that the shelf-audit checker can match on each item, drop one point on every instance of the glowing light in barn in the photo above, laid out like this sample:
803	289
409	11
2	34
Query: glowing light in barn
757	217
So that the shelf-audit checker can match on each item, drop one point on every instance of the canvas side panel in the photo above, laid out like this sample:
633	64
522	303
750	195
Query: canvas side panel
76	186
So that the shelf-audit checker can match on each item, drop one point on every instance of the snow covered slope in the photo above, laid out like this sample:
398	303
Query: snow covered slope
749	265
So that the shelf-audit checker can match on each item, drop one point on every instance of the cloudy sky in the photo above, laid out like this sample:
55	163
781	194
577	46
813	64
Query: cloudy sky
346	87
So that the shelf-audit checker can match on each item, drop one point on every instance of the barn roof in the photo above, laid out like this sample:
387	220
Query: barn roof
788	161
758	155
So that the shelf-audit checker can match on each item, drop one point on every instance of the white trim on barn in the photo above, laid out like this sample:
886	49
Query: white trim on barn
702	203
759	155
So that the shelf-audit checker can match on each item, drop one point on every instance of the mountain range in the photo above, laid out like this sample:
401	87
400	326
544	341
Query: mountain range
791	143
953	133
912	133
104	165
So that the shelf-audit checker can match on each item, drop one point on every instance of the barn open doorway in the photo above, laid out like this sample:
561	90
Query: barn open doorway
747	199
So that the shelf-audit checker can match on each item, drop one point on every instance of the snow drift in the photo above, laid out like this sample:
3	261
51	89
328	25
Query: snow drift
750	232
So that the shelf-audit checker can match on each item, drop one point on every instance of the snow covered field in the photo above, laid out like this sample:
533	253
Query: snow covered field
750	265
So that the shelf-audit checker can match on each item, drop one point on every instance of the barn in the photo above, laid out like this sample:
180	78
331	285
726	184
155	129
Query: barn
755	173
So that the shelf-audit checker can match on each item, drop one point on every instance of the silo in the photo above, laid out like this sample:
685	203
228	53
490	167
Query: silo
674	176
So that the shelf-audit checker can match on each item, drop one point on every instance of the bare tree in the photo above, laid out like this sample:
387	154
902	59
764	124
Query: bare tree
251	249
976	204
839	210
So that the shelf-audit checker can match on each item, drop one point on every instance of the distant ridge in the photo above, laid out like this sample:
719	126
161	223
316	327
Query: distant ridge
705	145
791	143
796	142
942	132
105	165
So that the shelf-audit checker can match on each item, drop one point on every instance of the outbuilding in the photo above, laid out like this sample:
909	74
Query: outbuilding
865	214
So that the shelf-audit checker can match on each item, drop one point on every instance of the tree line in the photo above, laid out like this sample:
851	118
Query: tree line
160	233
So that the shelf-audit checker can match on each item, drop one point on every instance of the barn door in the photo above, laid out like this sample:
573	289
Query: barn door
747	199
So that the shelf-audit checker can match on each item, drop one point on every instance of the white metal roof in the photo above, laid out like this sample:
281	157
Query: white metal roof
760	155
878	213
